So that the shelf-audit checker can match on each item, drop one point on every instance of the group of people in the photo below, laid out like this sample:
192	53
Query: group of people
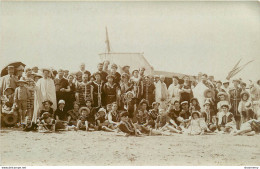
130	102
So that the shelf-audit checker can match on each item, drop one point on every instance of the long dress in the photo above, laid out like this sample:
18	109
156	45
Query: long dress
110	93
149	93
98	94
44	90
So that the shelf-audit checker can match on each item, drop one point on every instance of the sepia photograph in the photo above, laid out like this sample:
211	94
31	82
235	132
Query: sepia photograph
141	83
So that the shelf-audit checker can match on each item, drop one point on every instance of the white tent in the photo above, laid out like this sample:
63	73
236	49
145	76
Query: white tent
134	60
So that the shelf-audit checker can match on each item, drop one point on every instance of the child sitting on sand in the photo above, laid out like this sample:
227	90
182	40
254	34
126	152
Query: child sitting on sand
101	121
47	108
113	117
196	126
85	120
154	115
225	119
46	123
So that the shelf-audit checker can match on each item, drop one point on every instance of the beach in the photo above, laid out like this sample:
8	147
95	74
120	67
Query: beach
104	148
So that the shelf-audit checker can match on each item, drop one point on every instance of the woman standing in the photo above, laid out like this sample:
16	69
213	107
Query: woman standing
71	94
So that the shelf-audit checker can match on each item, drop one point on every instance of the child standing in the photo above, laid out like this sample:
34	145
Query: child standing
21	95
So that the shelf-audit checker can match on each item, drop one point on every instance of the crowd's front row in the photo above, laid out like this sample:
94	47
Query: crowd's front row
178	118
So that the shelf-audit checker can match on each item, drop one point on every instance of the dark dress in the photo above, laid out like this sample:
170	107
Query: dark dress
62	83
185	114
50	112
186	96
71	96
234	100
148	93
85	92
110	93
117	78
174	114
98	94
62	114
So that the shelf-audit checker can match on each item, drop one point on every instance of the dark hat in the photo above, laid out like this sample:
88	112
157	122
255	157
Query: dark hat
9	87
143	101
50	102
124	114
206	102
88	99
258	82
110	76
97	73
222	93
114	66
84	108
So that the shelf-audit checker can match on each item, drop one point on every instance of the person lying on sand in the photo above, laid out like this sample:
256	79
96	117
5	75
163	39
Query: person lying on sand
248	128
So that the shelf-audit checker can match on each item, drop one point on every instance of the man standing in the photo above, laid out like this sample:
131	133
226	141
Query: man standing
84	91
83	69
35	69
44	90
174	90
9	80
161	92
102	73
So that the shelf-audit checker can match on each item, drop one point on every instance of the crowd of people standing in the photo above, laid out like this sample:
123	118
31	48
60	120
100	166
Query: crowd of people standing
131	102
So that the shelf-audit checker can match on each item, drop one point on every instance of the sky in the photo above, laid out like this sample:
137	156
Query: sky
181	37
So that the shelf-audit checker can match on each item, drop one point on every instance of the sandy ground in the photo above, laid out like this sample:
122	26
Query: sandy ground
102	148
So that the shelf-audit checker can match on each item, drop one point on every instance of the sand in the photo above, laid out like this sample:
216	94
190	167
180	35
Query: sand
104	148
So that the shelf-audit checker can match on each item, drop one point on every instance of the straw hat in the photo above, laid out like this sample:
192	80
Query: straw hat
222	93
207	91
50	102
246	93
225	103
84	108
195	112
